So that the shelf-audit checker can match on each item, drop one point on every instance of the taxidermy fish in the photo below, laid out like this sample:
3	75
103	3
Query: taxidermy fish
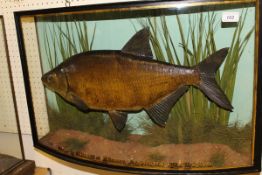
129	80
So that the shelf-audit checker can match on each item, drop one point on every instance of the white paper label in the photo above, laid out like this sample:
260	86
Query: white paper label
230	17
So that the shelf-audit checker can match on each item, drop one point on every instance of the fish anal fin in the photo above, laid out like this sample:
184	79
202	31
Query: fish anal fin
119	119
139	44
159	112
78	102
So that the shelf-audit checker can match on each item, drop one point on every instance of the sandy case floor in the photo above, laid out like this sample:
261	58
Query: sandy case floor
134	154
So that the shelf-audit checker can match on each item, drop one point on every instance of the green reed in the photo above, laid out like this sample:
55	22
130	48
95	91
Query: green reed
61	45
194	113
64	37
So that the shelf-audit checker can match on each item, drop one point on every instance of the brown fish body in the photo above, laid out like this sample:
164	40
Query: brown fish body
129	80
112	80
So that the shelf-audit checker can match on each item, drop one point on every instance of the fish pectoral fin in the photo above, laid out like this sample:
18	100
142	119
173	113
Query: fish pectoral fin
159	112
119	119
78	102
139	44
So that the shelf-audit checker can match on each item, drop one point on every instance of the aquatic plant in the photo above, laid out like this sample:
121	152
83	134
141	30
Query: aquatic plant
156	157
60	44
235	136
217	159
110	132
73	144
66	36
194	114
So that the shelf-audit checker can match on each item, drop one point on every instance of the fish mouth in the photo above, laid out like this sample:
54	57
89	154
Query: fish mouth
46	83
44	79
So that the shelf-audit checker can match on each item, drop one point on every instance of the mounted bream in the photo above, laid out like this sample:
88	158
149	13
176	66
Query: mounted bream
129	80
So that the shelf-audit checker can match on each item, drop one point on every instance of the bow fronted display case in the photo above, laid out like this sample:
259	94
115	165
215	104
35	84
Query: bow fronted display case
146	87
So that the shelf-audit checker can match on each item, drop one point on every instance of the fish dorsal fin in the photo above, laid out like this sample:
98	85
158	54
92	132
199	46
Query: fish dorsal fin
159	112
119	119
139	44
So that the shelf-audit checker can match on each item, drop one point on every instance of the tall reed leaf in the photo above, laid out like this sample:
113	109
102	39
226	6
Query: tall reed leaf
194	108
64	37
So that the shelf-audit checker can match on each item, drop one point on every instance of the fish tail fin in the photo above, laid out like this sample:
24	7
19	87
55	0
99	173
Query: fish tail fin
208	84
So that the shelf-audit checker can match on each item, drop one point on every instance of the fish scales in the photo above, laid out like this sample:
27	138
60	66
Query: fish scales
120	81
129	80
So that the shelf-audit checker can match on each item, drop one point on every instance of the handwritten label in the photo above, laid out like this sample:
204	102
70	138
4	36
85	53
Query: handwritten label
230	17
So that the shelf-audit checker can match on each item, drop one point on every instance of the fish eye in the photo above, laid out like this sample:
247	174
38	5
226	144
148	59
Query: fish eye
49	78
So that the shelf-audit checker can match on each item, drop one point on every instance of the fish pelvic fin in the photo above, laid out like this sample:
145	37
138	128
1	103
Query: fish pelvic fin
119	119
208	84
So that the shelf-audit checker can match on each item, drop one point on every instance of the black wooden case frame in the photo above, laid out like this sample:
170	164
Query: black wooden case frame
154	8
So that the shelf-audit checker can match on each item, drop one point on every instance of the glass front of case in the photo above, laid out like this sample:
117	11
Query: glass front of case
10	148
146	87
